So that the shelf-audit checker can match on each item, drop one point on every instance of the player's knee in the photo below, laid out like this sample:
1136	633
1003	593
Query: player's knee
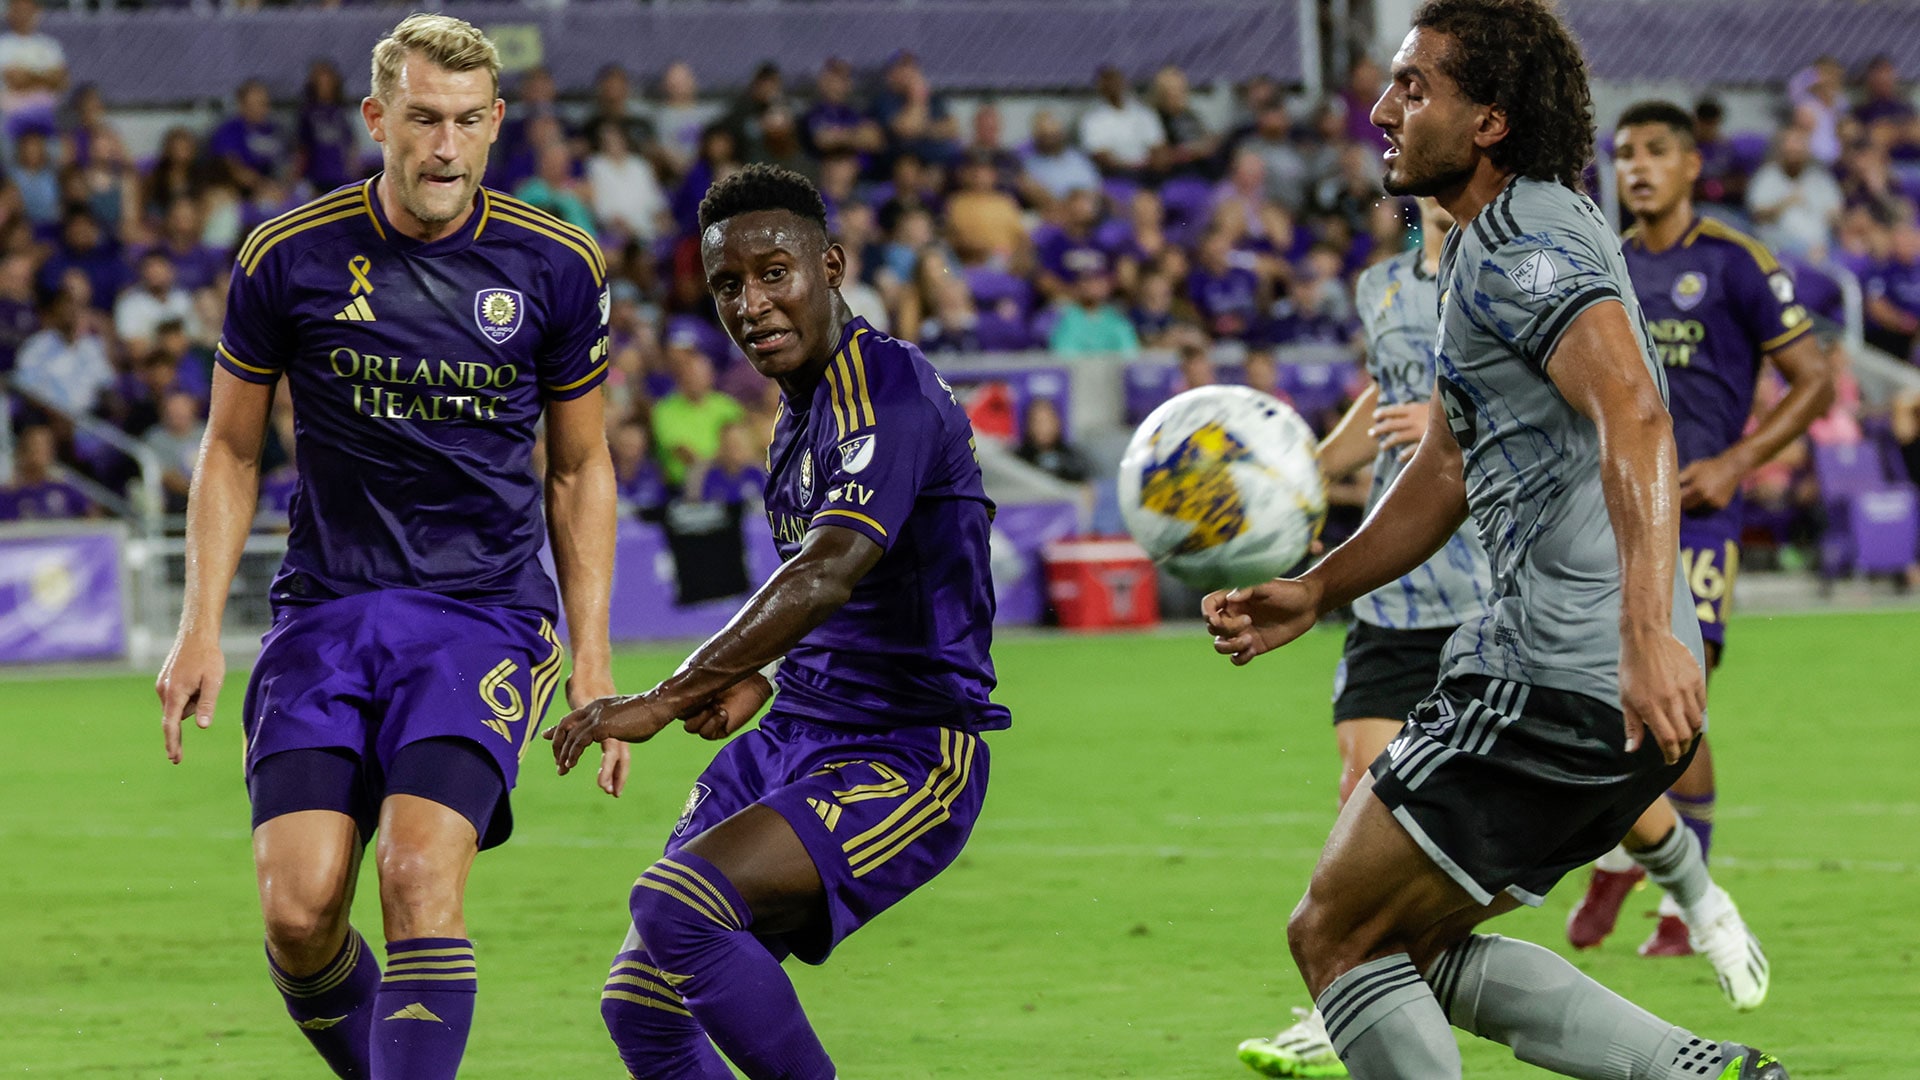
303	931
419	891
674	908
1323	943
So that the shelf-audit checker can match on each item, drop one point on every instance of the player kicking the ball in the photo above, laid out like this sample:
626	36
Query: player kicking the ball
423	325
865	779
1566	710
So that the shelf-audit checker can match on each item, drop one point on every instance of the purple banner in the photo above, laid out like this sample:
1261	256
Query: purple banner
643	584
1020	533
60	598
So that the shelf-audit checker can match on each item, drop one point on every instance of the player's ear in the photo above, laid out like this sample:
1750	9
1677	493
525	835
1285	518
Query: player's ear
374	113
499	117
835	260
1492	127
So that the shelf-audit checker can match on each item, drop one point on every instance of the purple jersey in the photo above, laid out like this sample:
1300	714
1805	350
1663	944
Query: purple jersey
881	447
418	372
1717	303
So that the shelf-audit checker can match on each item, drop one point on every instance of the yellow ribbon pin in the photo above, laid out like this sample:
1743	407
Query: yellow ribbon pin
358	267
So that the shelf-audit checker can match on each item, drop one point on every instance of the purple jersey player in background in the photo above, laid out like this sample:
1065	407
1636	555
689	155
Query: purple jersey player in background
423	327
865	779
1719	306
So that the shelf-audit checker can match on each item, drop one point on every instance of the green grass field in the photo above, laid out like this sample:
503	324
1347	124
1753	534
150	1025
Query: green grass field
1120	912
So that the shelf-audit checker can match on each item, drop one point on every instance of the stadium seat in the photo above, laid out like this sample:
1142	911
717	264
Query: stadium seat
1873	520
1148	384
990	286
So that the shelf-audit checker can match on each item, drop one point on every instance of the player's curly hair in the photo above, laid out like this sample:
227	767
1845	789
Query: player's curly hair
1518	55
763	187
1675	118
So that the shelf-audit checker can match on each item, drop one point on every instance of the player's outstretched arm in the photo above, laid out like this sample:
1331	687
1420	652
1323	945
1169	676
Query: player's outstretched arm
1598	367
220	506
1425	505
1350	445
802	594
1713	482
581	514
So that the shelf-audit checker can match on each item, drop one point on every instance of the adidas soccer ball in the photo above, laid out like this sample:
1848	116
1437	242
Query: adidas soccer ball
1221	487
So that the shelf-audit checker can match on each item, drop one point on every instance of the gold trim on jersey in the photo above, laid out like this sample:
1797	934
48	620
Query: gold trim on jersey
486	211
920	813
261	232
532	218
1773	344
833	398
221	348
582	380
860	380
1720	230
366	200
854	514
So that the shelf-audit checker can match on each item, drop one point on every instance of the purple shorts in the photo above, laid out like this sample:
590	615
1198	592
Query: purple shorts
1709	560
366	675
880	812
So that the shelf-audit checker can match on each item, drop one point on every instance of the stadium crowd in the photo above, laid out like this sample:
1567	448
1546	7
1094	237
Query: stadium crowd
1119	222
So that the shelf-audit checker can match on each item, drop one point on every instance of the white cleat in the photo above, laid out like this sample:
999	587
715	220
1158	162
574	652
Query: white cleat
1301	1051
1716	929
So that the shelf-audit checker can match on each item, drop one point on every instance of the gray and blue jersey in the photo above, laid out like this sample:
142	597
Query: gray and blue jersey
1399	305
1512	281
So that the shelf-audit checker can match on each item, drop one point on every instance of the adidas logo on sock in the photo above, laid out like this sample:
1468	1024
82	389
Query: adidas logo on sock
358	311
416	1011
320	1023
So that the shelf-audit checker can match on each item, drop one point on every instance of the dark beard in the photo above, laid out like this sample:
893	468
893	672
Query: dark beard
1435	182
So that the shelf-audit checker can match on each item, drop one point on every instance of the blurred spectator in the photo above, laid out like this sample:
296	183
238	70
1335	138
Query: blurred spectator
687	422
626	190
1285	169
175	440
1069	249
536	99
64	365
1260	371
86	122
636	475
834	124
914	117
1722	178
1365	81
1043	444
764	91
33	72
718	158
39	182
1867	180
1793	198
1053	168
1881	101
1191	147
863	299
681	116
1090	324
984	223
109	185
250	143
18	319
324	137
177	174
732	478
1120	133
1245	188
1819	101
552	187
172	366
154	299
1195	364
916	182
1324	139
954	325
196	265
989	141
1153	314
909	232
1226	289
38	491
84	247
1353	189
1892	290
1316	307
613	105
780	143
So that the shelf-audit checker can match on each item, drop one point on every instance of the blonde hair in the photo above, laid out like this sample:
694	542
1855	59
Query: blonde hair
442	40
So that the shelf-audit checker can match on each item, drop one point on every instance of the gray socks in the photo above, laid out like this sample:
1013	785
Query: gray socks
1677	865
1554	1017
1385	1024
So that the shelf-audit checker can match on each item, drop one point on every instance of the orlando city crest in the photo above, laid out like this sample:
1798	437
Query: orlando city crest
499	312
1689	289
806	478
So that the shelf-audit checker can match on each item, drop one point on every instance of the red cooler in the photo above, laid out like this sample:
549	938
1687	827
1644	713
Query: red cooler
1098	584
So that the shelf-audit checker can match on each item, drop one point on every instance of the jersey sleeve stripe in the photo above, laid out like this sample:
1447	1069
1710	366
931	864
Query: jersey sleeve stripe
260	254
366	201
581	381
1761	256
589	251
1505	203
860	376
1570	309
312	209
1774	343
221	348
833	398
855	515
565	228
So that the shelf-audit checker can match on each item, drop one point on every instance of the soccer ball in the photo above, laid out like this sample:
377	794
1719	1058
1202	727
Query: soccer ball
1221	487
